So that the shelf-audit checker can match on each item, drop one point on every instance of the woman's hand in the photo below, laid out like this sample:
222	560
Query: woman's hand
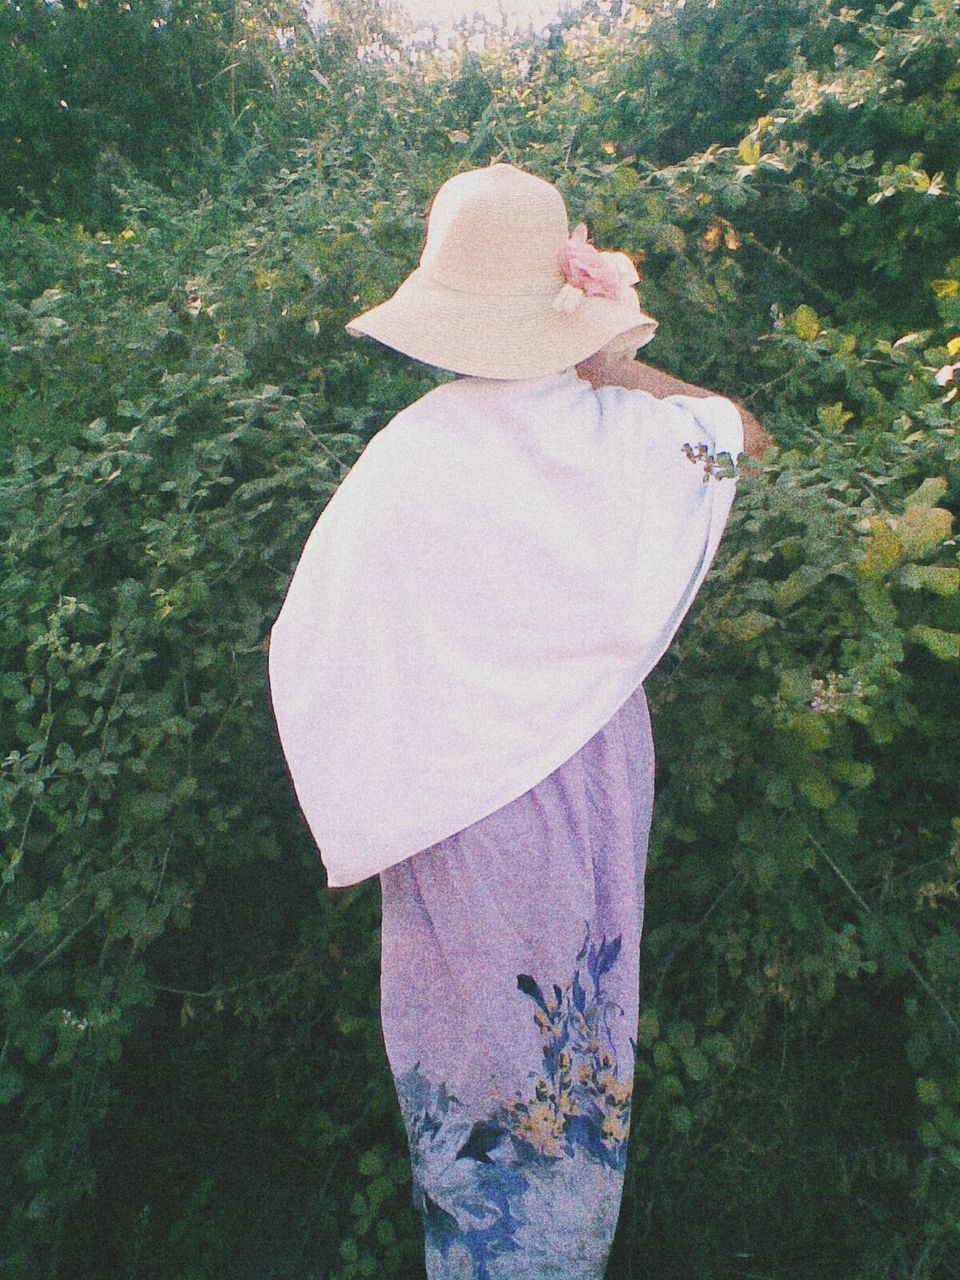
605	368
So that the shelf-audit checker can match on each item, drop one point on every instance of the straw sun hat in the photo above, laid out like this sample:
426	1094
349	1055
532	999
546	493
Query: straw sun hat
503	290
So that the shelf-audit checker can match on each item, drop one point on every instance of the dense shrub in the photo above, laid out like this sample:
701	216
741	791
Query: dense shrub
191	1070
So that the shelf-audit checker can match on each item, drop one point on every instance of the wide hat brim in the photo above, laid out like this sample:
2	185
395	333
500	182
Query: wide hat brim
493	335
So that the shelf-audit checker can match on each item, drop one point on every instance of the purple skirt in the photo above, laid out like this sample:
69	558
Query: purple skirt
509	1002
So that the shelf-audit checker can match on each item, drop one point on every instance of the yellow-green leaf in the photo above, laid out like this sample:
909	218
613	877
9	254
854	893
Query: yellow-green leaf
929	493
883	553
941	579
920	529
855	773
942	644
625	179
805	323
748	625
834	417
797	585
749	151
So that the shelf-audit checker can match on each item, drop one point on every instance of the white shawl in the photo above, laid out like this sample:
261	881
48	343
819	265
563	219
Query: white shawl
502	567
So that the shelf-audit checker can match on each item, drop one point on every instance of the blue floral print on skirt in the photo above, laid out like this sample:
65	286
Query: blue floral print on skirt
509	1003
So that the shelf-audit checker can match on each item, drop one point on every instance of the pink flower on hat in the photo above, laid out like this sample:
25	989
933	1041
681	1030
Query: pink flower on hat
587	269
590	273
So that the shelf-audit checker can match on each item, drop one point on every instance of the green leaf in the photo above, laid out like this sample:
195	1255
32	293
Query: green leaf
681	1118
929	1134
385	1231
663	1056
882	553
812	729
842	818
625	179
39	1207
670	1086
818	790
928	1091
48	301
649	1028
11	1083
695	1063
371	1164
681	1035
721	1047
779	791
380	1189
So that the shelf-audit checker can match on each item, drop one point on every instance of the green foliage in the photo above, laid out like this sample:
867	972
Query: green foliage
191	1069
804	841
151	516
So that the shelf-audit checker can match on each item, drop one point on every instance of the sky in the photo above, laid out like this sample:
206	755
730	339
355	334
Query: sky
446	12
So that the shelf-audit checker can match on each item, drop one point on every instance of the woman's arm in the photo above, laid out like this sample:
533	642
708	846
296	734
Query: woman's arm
602	371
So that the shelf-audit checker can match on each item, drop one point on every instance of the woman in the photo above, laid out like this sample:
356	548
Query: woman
457	677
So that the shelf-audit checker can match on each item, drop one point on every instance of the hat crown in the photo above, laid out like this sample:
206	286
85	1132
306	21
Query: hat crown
496	230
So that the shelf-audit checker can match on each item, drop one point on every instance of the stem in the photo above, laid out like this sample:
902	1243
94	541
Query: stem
64	942
221	991
865	906
325	447
10	869
751	239
61	907
737	879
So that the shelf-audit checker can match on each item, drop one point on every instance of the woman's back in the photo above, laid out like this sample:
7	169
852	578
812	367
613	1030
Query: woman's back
503	566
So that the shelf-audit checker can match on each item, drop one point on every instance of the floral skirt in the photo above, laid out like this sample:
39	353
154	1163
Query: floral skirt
509	1003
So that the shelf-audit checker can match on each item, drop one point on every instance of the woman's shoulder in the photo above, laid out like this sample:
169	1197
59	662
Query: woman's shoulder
444	400
417	437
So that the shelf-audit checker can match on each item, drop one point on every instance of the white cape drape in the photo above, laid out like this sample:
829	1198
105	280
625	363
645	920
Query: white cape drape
502	567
